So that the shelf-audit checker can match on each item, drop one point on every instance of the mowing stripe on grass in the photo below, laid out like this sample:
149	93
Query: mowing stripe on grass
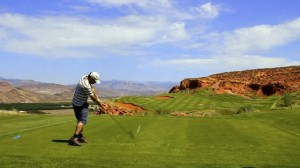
30	122
34	128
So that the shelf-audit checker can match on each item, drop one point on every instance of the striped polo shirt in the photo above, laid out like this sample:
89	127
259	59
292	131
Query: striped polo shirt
82	92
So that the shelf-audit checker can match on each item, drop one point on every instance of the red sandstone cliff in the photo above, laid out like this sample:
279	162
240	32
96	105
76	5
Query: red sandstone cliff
262	82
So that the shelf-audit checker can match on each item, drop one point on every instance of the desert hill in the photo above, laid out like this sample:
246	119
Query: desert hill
11	94
5	86
256	82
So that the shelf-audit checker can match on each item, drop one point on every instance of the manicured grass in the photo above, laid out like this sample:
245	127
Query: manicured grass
202	100
260	140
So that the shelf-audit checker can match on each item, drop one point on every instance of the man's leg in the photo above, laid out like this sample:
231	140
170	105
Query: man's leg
82	120
81	115
75	138
79	132
79	128
81	138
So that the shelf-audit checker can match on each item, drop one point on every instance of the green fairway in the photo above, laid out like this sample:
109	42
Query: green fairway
200	100
260	140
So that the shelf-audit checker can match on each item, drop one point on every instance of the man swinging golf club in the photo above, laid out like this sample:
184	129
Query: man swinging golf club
83	91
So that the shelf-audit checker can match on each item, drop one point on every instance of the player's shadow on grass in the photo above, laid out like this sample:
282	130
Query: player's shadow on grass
60	141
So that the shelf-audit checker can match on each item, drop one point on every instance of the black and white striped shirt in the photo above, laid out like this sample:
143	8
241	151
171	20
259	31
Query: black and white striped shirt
82	92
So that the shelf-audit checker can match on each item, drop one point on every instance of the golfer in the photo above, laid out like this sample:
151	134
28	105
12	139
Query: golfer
83	91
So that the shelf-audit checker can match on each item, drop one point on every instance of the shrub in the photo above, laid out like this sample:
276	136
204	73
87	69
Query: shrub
287	100
246	109
161	111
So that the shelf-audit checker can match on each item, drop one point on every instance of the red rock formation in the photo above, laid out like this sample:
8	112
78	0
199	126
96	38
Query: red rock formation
109	109
268	81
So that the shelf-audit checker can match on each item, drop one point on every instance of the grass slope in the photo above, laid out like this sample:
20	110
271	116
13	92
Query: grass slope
261	140
202	100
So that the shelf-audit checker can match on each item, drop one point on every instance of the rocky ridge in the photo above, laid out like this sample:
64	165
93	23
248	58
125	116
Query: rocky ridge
256	82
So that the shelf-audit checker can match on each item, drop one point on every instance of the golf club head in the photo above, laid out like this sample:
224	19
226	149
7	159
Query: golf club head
131	134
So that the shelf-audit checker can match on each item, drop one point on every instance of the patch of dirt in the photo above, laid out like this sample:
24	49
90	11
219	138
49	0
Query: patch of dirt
120	109
163	97
230	92
130	107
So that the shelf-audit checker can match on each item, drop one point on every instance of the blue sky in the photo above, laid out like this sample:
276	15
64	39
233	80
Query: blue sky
58	41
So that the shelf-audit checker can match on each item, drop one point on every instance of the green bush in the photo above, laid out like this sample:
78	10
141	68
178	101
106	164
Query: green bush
287	100
161	111
246	109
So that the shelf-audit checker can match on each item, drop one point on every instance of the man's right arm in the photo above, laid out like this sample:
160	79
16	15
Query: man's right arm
95	98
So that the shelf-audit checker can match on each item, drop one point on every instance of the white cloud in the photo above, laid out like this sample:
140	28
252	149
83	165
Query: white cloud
186	61
242	48
140	3
253	61
158	21
207	10
62	36
261	37
194	46
144	7
162	8
223	63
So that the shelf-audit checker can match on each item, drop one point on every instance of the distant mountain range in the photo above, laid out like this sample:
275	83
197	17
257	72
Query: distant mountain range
125	88
16	90
19	82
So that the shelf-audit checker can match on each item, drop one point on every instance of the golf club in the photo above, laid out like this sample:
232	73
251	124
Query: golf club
130	133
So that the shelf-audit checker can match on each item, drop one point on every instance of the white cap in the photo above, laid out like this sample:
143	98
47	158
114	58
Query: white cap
95	76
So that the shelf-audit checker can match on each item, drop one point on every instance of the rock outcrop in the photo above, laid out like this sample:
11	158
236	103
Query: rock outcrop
109	109
257	82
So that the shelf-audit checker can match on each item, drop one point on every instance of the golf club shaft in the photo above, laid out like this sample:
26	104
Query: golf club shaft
122	127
